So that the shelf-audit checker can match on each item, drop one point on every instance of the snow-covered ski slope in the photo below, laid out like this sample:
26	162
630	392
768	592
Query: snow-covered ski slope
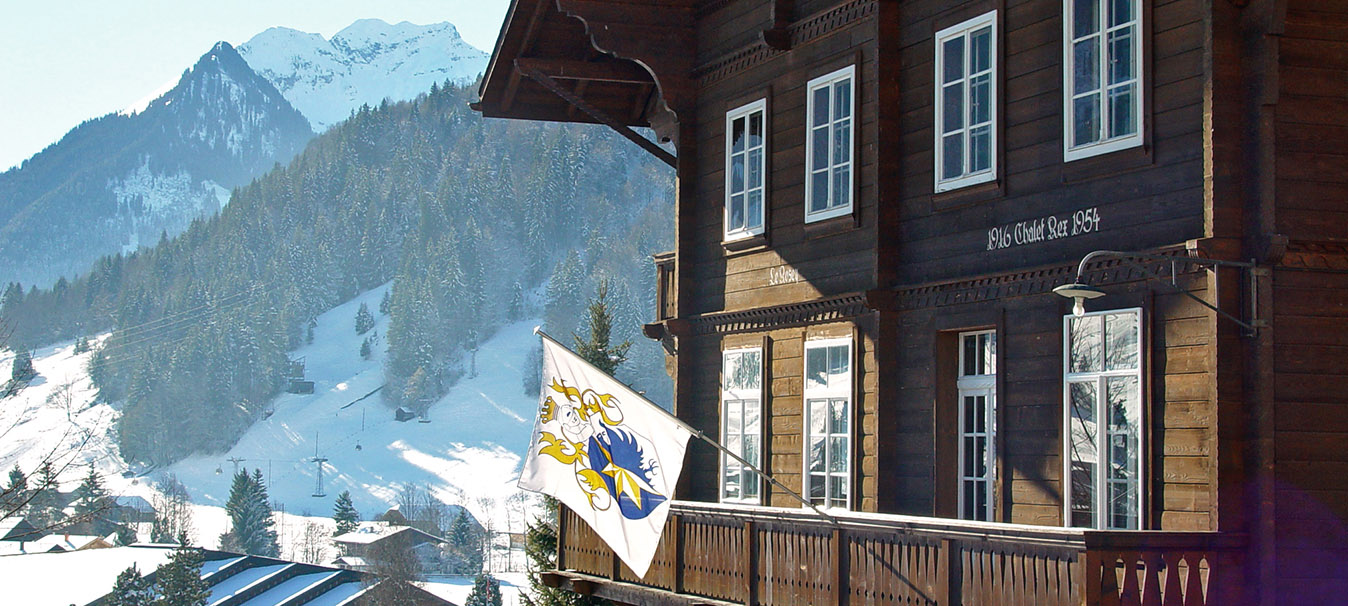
466	454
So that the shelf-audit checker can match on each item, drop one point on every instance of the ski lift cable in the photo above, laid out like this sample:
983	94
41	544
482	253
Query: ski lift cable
150	325
120	348
185	320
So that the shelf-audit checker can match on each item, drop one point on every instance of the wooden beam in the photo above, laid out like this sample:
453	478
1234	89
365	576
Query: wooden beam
779	35
594	112
624	72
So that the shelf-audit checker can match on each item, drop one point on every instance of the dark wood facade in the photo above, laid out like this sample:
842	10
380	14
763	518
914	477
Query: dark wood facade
1240	157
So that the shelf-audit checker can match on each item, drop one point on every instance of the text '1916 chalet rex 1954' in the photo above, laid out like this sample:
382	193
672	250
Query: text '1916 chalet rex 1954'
1043	301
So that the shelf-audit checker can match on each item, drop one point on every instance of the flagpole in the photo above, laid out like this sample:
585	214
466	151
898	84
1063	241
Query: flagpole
697	432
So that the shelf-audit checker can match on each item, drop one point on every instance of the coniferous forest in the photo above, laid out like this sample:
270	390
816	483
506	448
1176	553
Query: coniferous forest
477	222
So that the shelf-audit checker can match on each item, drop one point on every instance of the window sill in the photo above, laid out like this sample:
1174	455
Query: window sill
1108	164
745	243
967	195
828	227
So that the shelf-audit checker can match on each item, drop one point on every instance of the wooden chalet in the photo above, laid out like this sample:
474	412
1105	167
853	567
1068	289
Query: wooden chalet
876	201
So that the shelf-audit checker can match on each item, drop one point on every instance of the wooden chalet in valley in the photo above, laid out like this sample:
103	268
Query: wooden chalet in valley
876	201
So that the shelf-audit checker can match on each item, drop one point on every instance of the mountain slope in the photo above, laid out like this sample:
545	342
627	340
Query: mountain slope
363	64
119	181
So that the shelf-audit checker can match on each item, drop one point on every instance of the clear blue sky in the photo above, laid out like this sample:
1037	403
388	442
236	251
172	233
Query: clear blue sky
65	61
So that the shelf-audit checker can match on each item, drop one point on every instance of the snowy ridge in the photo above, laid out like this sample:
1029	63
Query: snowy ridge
365	63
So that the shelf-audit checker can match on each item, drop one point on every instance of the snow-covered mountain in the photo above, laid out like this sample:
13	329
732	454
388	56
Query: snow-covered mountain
120	181
361	65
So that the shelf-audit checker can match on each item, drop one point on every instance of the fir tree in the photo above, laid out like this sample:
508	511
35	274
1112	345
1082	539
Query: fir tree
486	591
595	348
251	528
131	589
386	303
344	514
365	350
464	550
178	582
515	311
81	344
22	368
15	493
45	504
364	320
91	497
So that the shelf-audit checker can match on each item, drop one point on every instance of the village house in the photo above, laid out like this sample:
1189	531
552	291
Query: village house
1046	301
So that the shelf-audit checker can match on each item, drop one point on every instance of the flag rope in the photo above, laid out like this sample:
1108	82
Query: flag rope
697	432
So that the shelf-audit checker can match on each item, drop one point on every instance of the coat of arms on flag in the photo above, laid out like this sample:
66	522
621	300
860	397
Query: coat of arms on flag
609	454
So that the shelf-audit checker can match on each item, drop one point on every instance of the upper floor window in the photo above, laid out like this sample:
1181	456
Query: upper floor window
977	386
966	93
831	106
1102	90
1103	393
745	167
741	423
828	422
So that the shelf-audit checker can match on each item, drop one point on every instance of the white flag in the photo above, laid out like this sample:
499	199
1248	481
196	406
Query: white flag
609	454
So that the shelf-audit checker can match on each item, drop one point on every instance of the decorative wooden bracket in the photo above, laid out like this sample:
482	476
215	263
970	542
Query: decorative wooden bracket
531	70
778	36
657	36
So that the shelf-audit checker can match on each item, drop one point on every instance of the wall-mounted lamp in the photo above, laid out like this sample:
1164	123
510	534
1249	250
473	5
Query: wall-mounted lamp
1079	290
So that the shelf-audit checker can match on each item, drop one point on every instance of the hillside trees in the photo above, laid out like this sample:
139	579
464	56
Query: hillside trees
453	209
251	529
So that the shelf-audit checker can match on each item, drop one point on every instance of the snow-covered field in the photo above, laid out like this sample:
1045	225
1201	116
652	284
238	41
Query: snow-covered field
466	455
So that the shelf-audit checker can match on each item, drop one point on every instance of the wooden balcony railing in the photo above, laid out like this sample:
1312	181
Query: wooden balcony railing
715	553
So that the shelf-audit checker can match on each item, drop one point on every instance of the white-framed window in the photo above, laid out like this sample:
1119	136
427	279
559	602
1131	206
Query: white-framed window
741	423
1102	76
745	169
977	385
828	422
1102	394
966	103
831	105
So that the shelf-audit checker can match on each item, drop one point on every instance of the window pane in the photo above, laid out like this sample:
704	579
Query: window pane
1086	118
970	402
1120	12
756	129
970	501
1122	111
750	453
842	99
751	411
970	355
755	214
1085	343
819	151
816	488
842	187
755	163
980	457
837	454
1086	66
731	481
980	50
842	143
980	149
736	212
737	135
818	417
1121	68
749	483
952	108
819	191
734	419
1085	17
969	450
989	341
1121	351
953	60
1124	412
837	417
837	362
820	116
980	99
816	454
837	491
1082	428
952	156
980	410
816	368
736	173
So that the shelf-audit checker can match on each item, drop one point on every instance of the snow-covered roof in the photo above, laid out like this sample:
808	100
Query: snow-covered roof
135	502
370	534
47	579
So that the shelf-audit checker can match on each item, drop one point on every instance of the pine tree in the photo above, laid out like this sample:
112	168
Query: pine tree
486	591
345	514
365	349
464	550
131	589
516	309
364	319
386	303
44	506
14	494
91	497
178	582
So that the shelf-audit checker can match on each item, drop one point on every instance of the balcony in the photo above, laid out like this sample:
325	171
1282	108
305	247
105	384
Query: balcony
718	554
